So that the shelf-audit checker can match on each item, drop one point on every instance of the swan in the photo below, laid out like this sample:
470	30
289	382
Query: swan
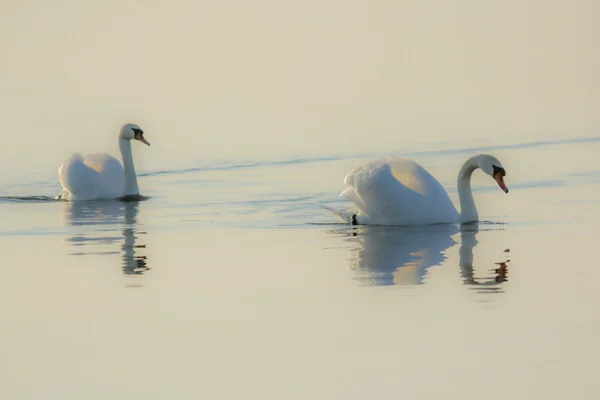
101	176
399	191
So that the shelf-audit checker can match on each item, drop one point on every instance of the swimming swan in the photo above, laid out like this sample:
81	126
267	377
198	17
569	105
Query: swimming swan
101	176
398	191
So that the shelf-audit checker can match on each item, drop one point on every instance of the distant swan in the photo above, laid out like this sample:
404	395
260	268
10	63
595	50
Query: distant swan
398	191
101	176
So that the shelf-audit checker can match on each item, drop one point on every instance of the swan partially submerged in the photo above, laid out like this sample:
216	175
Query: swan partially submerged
399	191
101	176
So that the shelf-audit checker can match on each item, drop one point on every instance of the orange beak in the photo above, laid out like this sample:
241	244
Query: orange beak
140	137
500	180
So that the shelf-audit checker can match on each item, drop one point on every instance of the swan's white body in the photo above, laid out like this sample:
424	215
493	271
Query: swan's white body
101	176
398	191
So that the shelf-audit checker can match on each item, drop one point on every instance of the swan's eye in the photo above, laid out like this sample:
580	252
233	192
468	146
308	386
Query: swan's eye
137	131
498	170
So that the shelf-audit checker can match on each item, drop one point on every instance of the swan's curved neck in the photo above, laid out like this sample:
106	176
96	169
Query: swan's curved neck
468	211
131	186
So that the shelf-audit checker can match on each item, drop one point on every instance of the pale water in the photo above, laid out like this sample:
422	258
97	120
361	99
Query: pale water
231	281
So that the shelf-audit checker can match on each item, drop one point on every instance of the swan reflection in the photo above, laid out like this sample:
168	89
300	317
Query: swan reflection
105	216
403	255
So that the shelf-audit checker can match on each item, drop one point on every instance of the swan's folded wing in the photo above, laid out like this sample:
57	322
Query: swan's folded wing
111	177
103	163
94	176
397	191
377	193
76	177
415	177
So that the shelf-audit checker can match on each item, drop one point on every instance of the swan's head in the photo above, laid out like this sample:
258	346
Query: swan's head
133	132
493	167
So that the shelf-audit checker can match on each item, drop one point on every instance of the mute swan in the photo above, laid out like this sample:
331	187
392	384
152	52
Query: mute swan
101	176
398	191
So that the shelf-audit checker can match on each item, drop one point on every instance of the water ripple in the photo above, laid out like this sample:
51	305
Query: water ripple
30	199
309	160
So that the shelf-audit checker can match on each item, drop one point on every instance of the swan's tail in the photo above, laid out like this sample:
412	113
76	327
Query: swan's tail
70	173
344	215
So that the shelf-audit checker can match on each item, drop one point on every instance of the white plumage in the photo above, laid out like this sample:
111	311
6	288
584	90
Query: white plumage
101	176
399	191
93	177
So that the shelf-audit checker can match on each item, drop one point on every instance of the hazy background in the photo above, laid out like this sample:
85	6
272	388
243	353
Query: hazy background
234	79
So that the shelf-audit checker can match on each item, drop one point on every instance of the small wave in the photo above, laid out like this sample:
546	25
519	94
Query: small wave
482	225
133	198
539	143
249	165
331	158
27	199
46	199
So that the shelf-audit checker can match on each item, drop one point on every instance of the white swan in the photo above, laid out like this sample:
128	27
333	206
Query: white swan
398	191
101	176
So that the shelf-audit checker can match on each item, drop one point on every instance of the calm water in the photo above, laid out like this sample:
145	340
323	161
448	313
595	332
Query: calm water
231	281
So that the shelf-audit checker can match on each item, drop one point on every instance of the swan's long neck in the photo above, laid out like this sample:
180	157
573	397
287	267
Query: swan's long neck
468	211
131	186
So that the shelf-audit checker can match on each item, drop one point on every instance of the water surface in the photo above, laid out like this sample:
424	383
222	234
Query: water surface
232	279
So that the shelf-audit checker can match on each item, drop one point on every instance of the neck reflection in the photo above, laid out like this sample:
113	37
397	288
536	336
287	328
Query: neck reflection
485	284
133	264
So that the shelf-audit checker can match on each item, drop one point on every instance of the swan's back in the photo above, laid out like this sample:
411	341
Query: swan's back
398	191
95	176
